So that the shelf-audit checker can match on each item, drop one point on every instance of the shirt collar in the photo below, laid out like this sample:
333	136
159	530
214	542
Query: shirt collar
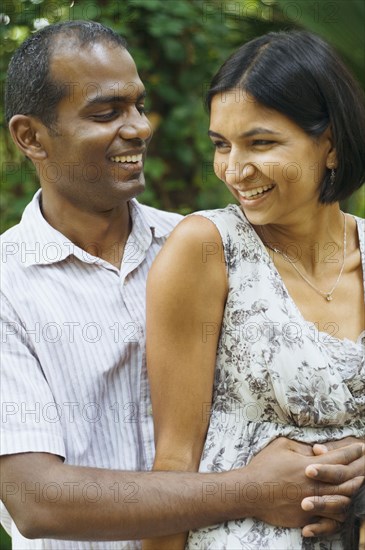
43	244
153	219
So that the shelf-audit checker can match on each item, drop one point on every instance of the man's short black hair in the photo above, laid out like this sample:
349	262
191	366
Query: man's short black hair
30	89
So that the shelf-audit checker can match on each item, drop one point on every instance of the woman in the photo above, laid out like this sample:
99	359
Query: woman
256	311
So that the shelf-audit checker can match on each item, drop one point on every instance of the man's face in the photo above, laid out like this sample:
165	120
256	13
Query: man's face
95	159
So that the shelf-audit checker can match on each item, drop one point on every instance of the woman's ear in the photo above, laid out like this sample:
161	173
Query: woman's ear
28	135
331	161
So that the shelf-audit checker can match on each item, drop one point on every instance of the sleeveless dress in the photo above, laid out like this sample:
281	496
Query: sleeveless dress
276	375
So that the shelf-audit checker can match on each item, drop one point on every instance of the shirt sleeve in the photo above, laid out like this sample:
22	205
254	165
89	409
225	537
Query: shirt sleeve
29	418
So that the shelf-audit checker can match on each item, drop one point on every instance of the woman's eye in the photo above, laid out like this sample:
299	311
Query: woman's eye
220	145
262	142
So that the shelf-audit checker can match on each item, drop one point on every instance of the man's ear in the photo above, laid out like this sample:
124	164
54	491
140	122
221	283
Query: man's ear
29	135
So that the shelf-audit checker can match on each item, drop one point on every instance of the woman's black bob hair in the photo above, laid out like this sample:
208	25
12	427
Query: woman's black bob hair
299	75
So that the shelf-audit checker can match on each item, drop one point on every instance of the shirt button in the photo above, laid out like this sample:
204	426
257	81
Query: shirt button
149	410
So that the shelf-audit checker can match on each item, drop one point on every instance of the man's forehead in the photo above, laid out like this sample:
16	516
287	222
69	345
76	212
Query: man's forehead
99	69
71	57
73	45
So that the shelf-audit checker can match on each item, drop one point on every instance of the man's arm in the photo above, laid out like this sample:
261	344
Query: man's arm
50	499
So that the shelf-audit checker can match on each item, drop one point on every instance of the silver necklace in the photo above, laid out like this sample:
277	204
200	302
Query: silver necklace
326	295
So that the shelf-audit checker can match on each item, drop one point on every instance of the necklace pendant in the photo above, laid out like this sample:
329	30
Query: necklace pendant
326	295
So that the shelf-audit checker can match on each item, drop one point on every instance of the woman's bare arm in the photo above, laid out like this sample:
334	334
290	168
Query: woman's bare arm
186	294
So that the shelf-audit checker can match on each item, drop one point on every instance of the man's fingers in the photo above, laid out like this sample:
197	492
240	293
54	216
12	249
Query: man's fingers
319	449
338	466
336	474
344	455
331	506
323	527
348	488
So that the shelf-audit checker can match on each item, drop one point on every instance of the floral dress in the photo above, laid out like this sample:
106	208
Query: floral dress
276	375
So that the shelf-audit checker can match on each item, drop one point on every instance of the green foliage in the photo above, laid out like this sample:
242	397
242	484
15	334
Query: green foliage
177	45
340	22
5	540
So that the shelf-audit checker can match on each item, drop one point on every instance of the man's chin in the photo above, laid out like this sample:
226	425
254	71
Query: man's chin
131	188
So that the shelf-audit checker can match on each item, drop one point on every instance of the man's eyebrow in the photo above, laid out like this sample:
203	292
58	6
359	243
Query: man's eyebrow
250	133
114	98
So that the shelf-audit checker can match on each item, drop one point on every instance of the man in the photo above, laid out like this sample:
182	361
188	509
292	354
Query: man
76	412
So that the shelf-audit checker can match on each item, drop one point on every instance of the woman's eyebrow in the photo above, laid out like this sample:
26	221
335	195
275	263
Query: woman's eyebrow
249	133
258	130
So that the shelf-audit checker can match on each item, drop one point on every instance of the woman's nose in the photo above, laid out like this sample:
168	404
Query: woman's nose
238	173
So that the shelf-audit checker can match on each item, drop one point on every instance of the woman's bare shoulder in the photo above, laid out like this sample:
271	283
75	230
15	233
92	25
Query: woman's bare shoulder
194	246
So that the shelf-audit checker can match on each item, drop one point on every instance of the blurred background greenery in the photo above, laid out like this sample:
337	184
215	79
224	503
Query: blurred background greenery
178	45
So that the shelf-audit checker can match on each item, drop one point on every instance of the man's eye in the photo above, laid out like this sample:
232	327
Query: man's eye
142	109
105	116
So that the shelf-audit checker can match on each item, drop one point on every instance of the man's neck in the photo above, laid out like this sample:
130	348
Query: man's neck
102	234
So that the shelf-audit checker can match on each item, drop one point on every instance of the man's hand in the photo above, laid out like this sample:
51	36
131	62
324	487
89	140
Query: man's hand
281	468
321	448
333	473
338	472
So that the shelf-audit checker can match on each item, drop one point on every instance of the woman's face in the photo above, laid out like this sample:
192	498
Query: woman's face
270	165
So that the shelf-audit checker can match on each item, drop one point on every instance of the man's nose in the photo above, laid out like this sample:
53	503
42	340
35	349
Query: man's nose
136	126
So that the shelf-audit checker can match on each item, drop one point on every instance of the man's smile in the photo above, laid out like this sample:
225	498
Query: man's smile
127	158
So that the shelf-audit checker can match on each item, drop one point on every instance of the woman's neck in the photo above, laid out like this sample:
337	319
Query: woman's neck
309	242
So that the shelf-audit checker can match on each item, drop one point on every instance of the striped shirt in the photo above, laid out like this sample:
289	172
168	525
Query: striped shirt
73	373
